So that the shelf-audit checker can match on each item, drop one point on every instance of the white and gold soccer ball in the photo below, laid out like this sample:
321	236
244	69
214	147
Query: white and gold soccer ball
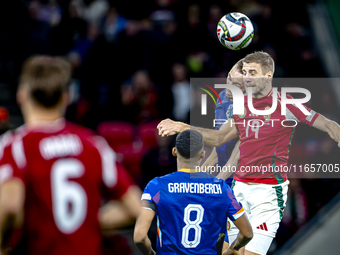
235	31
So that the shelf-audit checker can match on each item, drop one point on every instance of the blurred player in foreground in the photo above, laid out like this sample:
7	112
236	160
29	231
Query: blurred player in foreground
221	155
53	174
191	207
262	192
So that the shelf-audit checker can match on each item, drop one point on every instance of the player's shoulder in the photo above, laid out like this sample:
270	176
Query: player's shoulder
224	100
153	186
222	97
6	140
222	94
279	95
165	178
88	137
81	131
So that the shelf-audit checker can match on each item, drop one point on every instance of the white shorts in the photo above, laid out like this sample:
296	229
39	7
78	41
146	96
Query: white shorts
264	205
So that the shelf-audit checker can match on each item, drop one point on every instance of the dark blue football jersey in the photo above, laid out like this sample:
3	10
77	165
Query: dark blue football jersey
192	210
224	112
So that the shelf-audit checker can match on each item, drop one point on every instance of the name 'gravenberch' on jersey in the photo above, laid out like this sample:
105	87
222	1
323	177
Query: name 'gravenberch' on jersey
184	187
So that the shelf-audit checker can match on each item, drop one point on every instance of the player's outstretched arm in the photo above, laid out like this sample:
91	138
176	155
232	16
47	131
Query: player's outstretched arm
329	126
231	164
142	227
211	137
169	127
116	214
12	196
243	237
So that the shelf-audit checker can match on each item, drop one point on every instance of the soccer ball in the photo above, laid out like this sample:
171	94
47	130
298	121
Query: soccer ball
235	31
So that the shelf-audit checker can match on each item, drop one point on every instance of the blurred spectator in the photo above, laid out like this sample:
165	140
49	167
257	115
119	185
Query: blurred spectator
158	161
50	12
112	24
78	53
142	96
215	14
181	93
94	10
38	30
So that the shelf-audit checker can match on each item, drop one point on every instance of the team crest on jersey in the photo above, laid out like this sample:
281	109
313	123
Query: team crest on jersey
228	225
229	113
267	117
243	115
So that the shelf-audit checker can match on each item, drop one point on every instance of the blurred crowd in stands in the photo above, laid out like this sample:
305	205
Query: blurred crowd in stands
133	61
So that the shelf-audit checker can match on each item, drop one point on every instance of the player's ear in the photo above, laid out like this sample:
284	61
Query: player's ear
202	154
269	74
22	94
174	151
66	98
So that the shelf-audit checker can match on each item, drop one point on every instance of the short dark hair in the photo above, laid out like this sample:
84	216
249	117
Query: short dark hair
189	143
262	58
46	78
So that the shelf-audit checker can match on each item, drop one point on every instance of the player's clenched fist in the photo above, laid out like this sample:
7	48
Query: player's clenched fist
169	127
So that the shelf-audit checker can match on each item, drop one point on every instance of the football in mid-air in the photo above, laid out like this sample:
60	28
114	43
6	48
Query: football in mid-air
235	31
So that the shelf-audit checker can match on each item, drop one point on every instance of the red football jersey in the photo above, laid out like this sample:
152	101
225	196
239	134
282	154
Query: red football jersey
265	142
66	170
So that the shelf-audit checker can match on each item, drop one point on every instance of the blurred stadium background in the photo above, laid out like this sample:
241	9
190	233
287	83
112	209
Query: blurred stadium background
133	61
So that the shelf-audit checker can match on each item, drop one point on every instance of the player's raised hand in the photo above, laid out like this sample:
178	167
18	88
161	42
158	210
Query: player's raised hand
169	127
339	144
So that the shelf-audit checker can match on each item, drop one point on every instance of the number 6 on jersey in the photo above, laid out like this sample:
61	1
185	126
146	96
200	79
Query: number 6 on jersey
65	192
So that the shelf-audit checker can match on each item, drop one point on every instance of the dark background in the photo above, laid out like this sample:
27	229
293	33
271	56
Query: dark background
132	64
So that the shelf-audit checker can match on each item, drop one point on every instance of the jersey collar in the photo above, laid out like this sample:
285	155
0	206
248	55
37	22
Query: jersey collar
188	170
270	93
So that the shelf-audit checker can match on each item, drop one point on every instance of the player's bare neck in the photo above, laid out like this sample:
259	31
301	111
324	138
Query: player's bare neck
40	116
187	164
264	92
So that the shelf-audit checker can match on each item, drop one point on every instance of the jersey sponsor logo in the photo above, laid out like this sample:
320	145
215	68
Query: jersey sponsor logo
60	146
199	188
263	226
146	196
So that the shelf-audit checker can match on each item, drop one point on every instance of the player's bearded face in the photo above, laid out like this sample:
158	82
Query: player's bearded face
253	77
